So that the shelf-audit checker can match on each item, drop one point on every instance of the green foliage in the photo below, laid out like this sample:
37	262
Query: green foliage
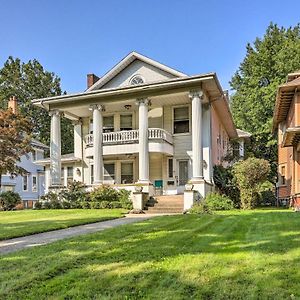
28	81
215	201
250	174
75	196
38	205
266	64
200	208
226	183
9	200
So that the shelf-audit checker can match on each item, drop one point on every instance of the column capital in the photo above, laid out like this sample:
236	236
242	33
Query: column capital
56	112
145	101
99	107
196	94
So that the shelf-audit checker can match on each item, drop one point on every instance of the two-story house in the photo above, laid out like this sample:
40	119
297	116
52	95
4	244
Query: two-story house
287	122
142	123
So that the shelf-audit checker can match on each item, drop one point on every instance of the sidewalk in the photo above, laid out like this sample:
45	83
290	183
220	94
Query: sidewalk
12	245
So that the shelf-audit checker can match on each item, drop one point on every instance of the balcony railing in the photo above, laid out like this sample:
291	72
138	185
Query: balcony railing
130	137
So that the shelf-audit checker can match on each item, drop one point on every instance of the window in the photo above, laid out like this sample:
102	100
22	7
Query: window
108	124
127	172
181	120
126	122
170	167
25	183
70	175
34	183
137	79
92	174
33	155
109	171
62	176
283	180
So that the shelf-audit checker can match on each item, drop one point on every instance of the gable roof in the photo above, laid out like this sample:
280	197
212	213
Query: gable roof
126	61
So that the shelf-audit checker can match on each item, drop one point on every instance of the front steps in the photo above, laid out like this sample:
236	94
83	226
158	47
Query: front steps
165	204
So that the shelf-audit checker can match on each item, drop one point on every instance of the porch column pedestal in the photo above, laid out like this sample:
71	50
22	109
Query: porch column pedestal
97	142
197	148
55	149
143	141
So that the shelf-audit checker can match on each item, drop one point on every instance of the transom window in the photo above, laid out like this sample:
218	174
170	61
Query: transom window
181	120
137	79
127	172
126	122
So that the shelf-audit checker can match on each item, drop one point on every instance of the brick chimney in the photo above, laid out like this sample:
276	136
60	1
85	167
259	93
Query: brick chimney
91	79
12	103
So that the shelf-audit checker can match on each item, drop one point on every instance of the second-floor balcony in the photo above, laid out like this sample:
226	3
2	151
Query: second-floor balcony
159	141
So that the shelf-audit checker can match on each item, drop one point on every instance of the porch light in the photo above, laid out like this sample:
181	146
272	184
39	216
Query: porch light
78	172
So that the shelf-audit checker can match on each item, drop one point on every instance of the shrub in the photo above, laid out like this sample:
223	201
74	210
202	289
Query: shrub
75	193
9	200
38	205
226	184
83	204
105	204
124	199
215	201
65	204
116	204
104	193
250	174
95	205
47	205
200	208
55	204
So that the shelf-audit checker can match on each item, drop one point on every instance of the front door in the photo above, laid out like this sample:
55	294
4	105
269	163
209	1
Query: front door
183	175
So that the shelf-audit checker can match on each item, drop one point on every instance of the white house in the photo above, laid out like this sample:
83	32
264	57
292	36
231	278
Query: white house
142	123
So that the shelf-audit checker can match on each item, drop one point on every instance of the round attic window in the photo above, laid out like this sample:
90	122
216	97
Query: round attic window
137	79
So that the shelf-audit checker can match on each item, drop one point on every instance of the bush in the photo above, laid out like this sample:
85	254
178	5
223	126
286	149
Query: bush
104	193
95	205
9	200
55	204
116	204
38	205
47	205
226	184
250	174
124	199
74	193
65	204
84	204
105	204
215	201
200	208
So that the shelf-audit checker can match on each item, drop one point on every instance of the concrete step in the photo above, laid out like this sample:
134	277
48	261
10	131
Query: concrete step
165	204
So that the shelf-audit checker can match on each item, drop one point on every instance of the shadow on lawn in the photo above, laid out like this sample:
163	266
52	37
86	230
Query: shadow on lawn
139	260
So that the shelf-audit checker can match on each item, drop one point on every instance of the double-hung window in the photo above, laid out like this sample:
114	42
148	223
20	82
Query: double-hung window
109	171
25	183
34	183
126	122
108	124
127	172
181	120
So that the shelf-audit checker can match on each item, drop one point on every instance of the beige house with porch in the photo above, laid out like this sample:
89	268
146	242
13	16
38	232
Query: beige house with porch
142	123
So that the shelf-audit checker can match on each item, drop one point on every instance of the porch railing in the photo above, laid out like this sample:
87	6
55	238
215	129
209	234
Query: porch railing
130	136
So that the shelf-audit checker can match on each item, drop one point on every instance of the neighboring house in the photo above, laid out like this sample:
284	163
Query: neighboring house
145	123
31	186
287	121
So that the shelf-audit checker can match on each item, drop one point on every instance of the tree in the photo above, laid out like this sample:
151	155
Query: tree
249	175
265	66
28	81
15	140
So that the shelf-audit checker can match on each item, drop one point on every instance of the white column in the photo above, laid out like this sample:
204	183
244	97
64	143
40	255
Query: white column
143	140
196	97
55	148
97	142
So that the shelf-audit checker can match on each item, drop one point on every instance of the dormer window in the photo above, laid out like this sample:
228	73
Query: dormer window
137	79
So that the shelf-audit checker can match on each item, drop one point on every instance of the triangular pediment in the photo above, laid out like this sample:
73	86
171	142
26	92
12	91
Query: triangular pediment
135	67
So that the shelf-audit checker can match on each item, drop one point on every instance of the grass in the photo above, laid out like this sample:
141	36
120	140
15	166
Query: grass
25	222
232	255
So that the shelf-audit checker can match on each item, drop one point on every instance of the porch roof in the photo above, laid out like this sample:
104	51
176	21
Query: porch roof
208	82
65	158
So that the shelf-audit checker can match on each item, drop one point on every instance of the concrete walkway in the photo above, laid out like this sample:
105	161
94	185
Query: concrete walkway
28	241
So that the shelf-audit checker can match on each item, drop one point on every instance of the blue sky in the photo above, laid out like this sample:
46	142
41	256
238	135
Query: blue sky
73	38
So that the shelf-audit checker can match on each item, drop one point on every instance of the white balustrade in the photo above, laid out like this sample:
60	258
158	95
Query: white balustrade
130	136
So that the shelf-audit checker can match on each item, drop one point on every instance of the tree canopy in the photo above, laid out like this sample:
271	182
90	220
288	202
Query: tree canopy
15	140
28	81
266	65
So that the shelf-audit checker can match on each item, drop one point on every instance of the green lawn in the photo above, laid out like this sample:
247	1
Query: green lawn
235	255
25	222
